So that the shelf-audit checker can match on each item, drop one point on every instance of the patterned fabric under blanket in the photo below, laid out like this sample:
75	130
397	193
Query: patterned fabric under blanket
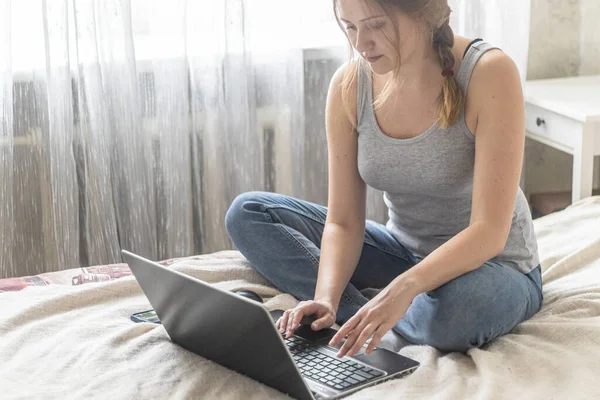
75	276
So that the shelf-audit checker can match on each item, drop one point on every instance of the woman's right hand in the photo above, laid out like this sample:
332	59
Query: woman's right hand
323	310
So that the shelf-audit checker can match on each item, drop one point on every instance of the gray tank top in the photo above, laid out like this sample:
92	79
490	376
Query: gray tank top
427	180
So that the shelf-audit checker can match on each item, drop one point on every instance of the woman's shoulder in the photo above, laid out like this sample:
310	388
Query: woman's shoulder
343	88
495	82
346	76
493	65
493	71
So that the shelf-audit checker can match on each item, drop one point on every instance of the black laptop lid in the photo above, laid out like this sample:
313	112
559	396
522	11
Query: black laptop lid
233	331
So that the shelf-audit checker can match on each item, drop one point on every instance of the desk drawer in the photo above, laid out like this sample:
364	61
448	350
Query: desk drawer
552	129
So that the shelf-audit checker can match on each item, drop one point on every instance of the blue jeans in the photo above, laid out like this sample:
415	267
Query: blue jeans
281	235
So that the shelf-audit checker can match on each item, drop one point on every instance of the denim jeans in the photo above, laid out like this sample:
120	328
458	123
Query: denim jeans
281	237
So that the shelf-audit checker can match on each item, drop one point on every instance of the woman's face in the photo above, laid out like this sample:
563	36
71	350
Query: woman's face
367	25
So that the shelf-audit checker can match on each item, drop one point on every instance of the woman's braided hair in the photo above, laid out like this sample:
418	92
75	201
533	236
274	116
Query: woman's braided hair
452	98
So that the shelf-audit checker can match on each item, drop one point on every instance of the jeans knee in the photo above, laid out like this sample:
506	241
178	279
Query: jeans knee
448	326
235	215
243	209
445	338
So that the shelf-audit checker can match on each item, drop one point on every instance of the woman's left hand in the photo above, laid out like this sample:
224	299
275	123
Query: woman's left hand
375	319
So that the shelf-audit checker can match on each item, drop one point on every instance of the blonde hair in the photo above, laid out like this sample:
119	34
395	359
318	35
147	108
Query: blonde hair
436	14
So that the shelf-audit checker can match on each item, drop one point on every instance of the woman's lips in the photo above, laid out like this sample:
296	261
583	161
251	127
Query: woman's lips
373	59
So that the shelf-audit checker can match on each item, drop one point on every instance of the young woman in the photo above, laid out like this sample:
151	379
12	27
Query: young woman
436	122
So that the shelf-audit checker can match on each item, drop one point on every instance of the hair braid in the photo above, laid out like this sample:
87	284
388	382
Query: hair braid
452	98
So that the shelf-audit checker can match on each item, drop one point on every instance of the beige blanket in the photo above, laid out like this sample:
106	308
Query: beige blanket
76	342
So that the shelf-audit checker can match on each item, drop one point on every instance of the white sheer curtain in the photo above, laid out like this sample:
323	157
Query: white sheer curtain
134	123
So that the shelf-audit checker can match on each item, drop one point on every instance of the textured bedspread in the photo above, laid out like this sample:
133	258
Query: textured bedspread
64	341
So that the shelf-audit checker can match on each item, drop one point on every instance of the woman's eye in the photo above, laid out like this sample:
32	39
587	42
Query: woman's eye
350	28
377	26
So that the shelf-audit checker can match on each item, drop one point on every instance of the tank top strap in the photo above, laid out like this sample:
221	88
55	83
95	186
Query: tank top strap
363	89
472	55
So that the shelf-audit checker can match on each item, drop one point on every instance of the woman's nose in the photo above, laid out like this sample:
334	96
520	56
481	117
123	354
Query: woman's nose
363	42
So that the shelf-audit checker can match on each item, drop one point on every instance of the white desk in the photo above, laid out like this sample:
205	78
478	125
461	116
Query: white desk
565	114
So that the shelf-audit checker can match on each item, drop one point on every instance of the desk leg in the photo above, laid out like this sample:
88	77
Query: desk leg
583	164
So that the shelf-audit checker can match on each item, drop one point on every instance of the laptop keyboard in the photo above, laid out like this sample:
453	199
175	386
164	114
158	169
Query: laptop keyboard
338	373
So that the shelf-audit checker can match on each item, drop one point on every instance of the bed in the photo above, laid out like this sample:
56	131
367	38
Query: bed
68	334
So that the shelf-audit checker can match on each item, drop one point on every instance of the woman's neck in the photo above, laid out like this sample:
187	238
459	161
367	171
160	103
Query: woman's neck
422	69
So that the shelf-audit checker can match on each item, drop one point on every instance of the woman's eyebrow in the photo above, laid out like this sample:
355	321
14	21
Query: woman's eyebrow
362	20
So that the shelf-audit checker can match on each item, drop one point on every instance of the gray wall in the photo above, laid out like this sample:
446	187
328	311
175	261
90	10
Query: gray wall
590	37
564	41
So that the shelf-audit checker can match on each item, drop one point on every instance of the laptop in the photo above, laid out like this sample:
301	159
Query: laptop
241	335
